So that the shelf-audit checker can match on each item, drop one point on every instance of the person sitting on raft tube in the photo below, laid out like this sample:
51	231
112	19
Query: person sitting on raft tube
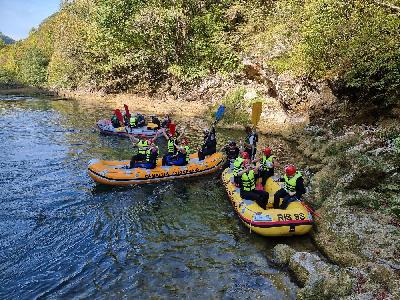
182	156
172	140
114	121
238	166
209	144
248	185
133	121
232	152
141	121
268	163
142	146
250	143
293	187
156	121
150	161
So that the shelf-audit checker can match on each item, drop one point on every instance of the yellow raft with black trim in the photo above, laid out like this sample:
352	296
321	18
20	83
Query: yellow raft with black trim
295	220
114	172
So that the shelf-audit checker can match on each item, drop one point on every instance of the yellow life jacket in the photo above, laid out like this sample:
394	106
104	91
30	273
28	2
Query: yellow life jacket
266	162
248	181
237	166
142	146
290	183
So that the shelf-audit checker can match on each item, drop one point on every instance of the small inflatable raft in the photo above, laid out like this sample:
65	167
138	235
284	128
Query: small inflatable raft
106	127
295	220
114	173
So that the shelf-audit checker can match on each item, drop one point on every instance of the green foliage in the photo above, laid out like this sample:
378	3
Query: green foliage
33	67
236	107
397	144
353	42
115	45
7	79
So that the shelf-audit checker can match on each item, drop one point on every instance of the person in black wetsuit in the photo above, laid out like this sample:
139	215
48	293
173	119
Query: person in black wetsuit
232	152
250	143
209	145
156	121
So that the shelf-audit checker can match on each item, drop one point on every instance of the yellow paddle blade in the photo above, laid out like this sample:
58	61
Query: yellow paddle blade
256	113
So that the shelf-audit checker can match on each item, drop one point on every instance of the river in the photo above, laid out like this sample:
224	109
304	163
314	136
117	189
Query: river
63	236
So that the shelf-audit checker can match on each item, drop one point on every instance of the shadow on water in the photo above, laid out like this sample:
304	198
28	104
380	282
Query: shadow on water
62	235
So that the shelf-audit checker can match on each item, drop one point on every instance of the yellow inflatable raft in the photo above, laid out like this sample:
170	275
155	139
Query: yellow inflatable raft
114	173
295	220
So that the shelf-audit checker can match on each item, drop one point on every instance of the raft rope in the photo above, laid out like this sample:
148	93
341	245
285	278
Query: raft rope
310	210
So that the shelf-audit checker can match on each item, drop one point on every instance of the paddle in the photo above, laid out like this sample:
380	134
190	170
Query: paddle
127	113
172	128
256	113
219	114
119	116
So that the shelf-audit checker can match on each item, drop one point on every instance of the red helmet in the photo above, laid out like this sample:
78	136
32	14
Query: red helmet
290	170
245	155
267	151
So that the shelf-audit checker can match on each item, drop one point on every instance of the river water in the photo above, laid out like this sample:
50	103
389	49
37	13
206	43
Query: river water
63	236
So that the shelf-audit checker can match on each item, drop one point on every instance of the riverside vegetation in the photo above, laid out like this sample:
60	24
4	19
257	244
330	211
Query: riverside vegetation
334	64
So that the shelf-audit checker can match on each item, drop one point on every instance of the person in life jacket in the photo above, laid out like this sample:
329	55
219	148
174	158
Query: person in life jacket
293	187
126	118
232	152
238	167
250	143
182	157
156	121
268	163
142	146
141	121
209	144
172	141
133	121
248	189
115	121
150	162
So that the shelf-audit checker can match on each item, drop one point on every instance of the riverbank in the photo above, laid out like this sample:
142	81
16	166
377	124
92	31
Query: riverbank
354	184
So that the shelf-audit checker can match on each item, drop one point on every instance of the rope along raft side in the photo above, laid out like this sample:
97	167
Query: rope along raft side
295	220
113	173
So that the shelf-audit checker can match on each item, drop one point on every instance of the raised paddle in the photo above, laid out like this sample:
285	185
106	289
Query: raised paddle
127	113
119	117
172	128
256	113
218	116
219	113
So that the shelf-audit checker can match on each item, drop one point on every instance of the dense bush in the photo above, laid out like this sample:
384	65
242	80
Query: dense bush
118	44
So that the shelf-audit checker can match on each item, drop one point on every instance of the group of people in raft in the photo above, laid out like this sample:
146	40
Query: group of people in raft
138	120
245	172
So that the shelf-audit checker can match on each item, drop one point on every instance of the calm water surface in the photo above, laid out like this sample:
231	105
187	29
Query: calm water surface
63	236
